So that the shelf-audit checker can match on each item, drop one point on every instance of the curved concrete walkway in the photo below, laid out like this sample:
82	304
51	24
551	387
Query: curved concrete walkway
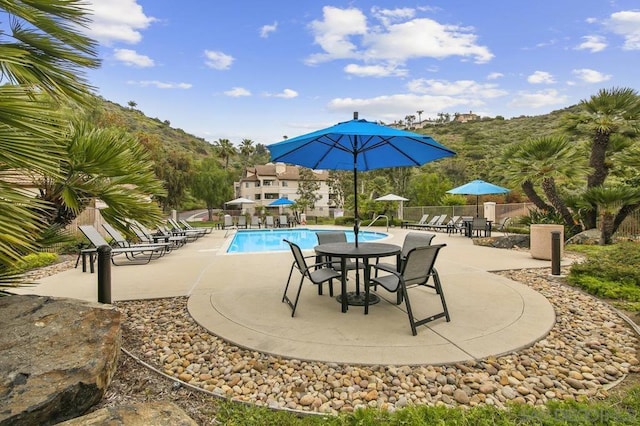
238	297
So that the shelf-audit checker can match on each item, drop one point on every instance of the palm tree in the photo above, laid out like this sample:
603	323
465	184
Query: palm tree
225	150
42	57
611	112
132	104
104	163
419	112
246	150
547	161
609	201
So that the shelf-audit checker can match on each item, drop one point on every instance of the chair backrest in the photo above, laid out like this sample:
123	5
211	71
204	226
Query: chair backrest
283	219
441	220
120	240
93	235
479	223
434	220
423	219
269	220
242	220
300	262
418	266
325	237
454	220
186	224
415	239
504	223
142	234
174	224
228	220
255	220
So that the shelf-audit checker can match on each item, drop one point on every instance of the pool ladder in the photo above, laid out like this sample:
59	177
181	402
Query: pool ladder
380	216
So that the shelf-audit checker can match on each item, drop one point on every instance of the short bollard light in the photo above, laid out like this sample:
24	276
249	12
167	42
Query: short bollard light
104	274
555	253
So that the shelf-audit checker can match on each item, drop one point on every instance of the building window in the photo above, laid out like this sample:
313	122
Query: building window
258	184
267	182
258	196
246	184
270	196
284	183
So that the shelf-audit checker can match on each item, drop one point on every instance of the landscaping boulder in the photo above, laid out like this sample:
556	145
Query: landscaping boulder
508	242
144	414
57	357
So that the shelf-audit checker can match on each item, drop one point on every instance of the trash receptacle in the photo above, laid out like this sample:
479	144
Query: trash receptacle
540	240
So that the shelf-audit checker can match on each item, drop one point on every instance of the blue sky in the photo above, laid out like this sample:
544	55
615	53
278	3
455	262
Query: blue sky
262	70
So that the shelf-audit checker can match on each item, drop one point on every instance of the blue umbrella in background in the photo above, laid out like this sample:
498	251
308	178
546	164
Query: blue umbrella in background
281	202
358	145
478	187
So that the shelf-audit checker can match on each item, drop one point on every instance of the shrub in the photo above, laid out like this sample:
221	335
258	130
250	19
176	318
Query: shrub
35	260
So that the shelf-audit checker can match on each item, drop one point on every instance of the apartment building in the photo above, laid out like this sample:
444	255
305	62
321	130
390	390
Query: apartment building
265	183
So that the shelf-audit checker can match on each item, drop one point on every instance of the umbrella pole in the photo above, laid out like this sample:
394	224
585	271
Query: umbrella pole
356	225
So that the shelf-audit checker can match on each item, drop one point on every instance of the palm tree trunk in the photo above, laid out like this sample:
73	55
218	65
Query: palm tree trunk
625	211
550	190
597	161
606	233
530	192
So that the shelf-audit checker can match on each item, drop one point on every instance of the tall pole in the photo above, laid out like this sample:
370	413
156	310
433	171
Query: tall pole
356	225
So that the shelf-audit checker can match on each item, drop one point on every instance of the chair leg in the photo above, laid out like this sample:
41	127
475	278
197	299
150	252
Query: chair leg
403	290
284	295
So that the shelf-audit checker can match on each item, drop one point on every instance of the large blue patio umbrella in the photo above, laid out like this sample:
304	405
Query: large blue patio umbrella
281	202
478	187
358	145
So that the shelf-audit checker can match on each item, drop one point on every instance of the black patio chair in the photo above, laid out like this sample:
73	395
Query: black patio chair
416	271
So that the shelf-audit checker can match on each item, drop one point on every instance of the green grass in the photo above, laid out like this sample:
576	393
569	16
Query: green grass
610	272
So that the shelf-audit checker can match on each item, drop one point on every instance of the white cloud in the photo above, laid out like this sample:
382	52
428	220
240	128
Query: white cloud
593	43
375	70
160	84
334	31
627	24
218	60
495	76
463	88
268	29
591	76
540	99
541	77
344	34
237	92
116	21
132	58
285	94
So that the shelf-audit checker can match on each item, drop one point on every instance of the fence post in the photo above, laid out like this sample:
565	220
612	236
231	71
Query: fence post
555	253
104	274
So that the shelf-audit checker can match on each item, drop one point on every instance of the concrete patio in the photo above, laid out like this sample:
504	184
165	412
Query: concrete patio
238	297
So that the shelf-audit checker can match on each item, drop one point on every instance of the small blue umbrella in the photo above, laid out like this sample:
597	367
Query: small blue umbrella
478	187
358	145
281	202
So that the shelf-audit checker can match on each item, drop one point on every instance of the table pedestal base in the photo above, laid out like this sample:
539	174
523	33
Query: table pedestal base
357	299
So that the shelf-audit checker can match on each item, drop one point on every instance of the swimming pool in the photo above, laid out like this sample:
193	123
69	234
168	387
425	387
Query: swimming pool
262	240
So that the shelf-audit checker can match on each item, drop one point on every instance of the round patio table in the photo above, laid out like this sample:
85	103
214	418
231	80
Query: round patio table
364	252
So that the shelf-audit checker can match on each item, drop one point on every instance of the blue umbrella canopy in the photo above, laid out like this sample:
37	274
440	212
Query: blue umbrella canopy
281	202
358	145
478	187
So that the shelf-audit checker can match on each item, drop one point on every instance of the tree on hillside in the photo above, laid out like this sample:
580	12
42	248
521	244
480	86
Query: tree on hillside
211	184
176	170
42	52
132	104
225	150
545	162
609	113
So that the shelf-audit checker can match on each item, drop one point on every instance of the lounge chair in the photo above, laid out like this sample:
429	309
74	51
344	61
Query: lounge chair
204	230
317	273
441	223
416	270
145	235
175	227
255	222
283	221
422	221
228	222
268	222
122	242
134	255
242	222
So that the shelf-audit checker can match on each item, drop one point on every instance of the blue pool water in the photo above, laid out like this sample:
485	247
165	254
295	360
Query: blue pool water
261	240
